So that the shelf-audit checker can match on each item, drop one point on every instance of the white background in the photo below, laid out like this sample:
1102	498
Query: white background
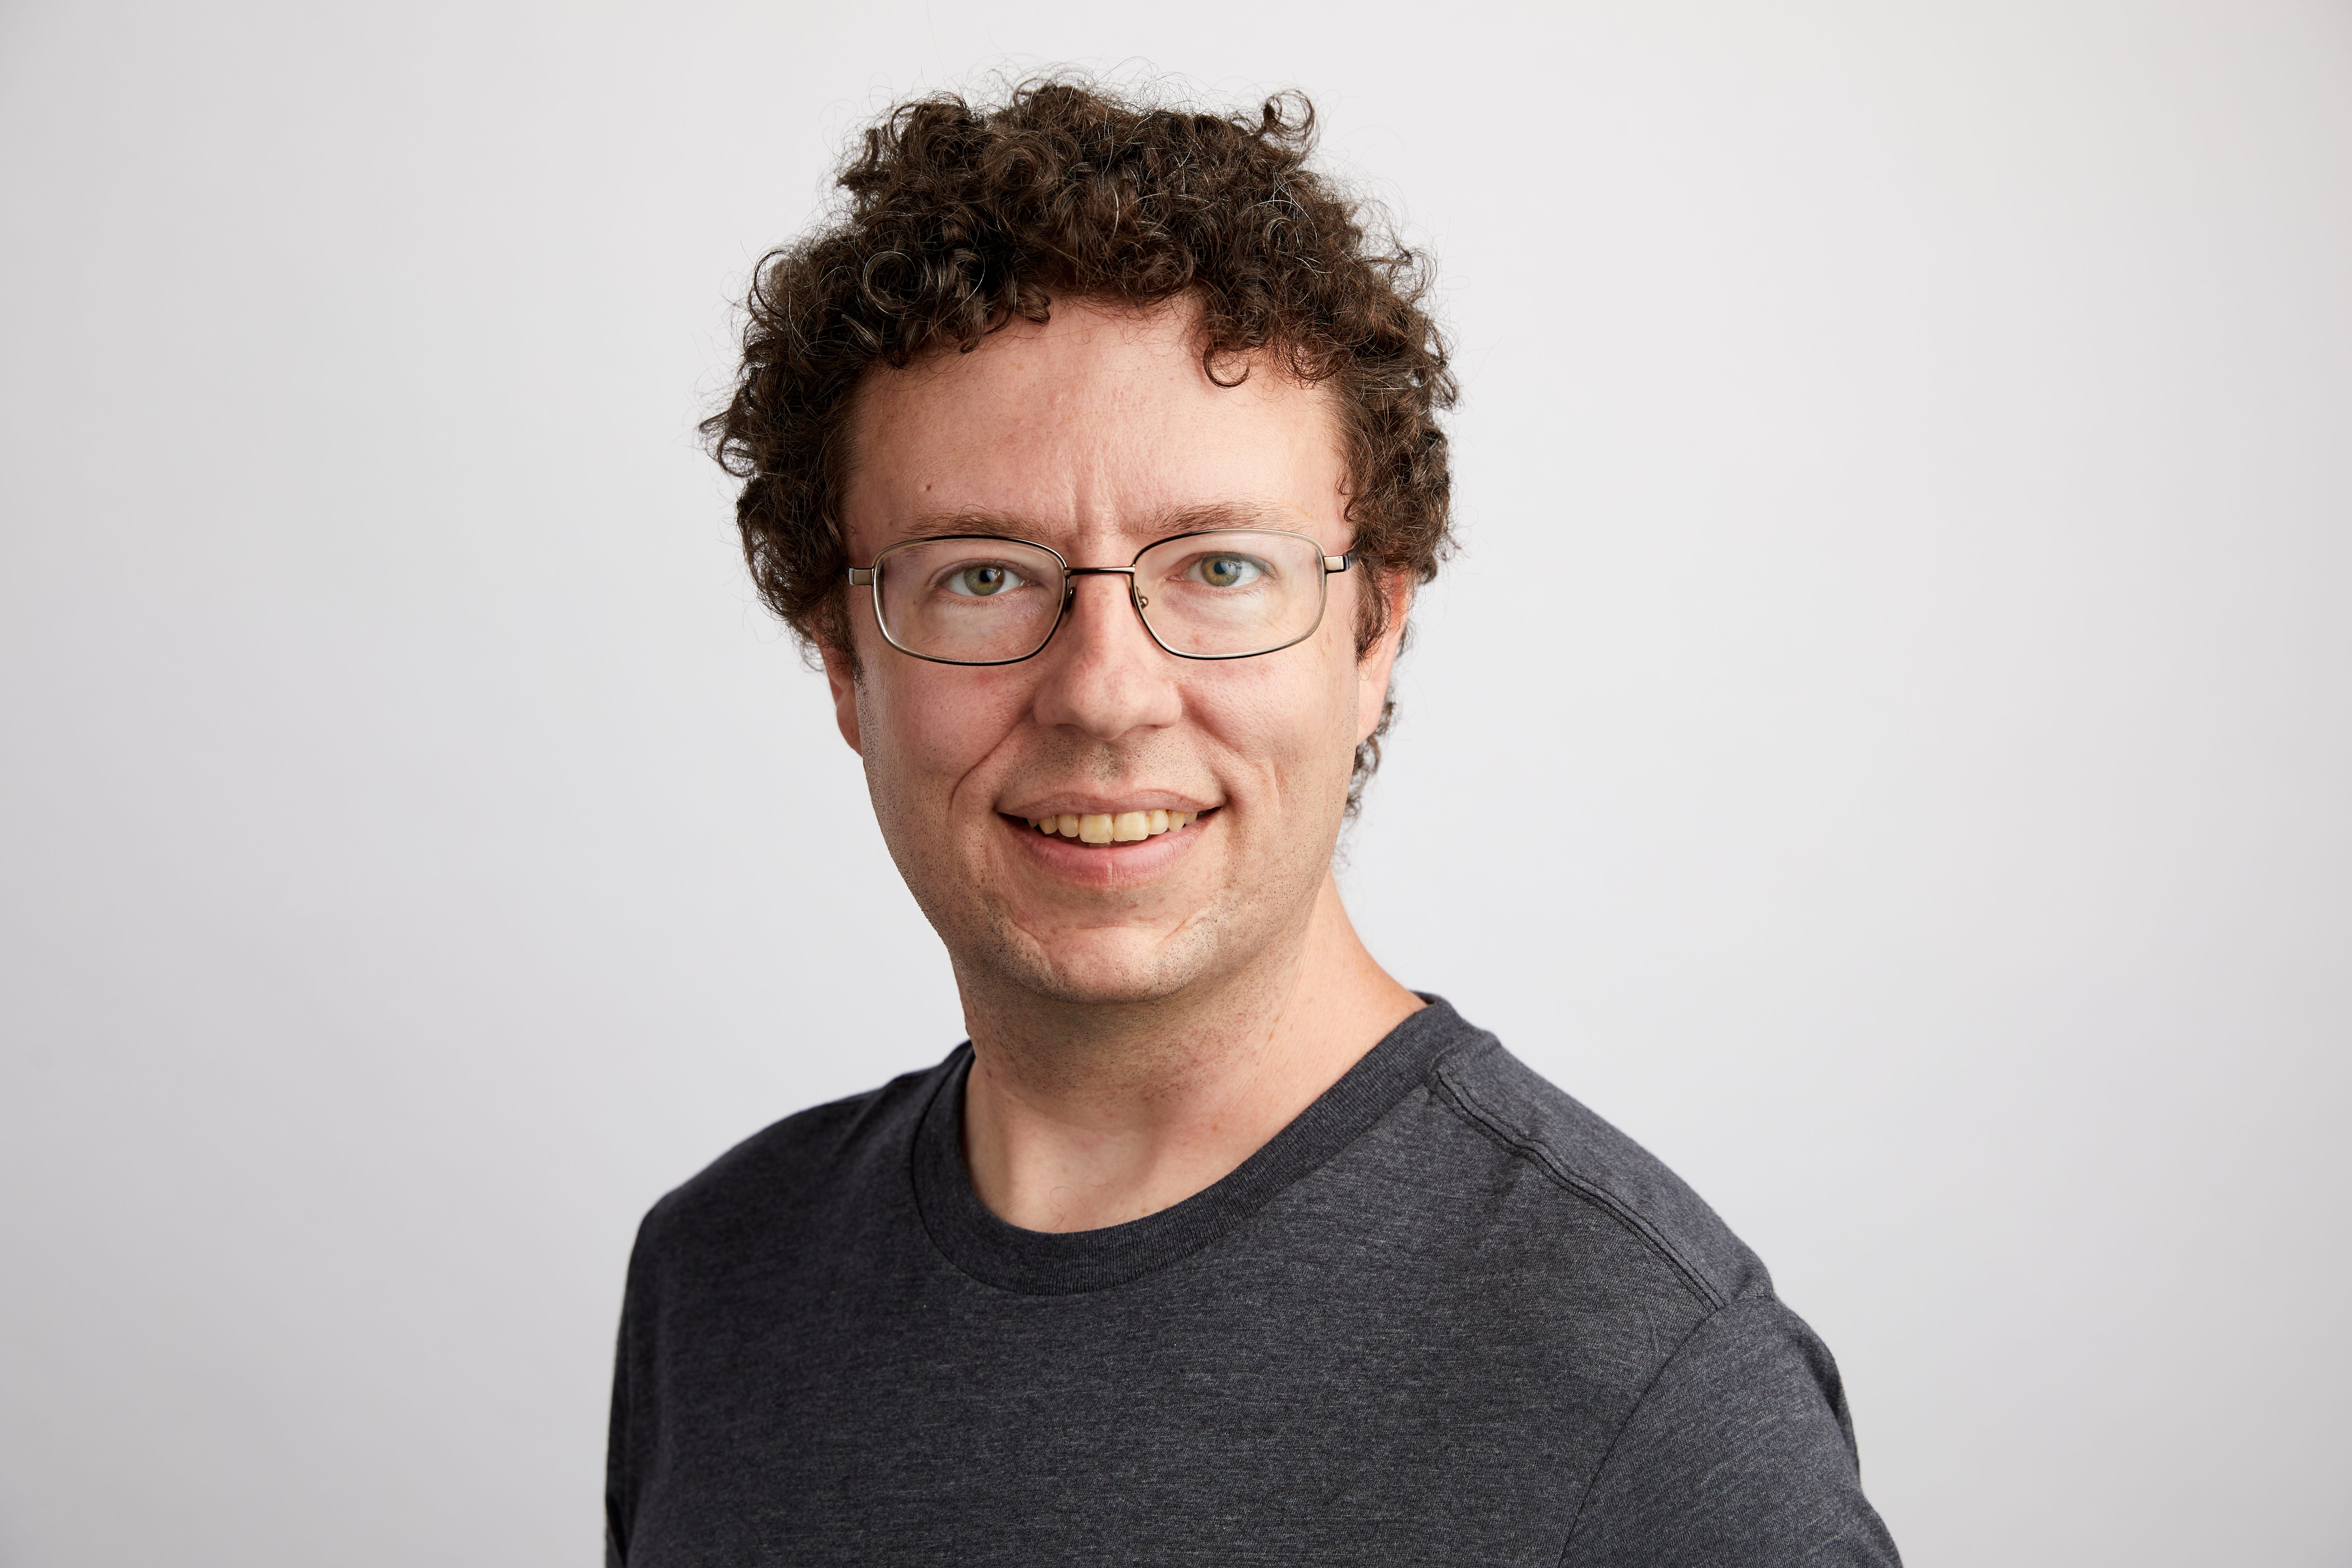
1887	743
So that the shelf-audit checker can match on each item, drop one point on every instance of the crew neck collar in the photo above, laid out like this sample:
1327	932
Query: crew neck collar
1059	1263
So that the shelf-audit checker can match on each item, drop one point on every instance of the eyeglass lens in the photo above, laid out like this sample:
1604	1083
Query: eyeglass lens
1208	595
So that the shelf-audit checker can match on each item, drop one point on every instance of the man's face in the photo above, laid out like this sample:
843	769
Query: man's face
1096	433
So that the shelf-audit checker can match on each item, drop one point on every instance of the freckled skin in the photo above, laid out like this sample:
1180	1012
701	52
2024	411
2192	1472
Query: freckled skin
1092	431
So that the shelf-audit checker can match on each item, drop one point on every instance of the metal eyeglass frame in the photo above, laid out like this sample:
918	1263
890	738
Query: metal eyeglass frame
871	577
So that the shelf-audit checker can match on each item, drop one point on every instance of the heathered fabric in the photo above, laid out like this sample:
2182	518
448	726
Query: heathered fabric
1447	1316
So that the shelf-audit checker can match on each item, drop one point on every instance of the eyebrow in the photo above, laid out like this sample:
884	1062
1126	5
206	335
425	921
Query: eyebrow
1202	518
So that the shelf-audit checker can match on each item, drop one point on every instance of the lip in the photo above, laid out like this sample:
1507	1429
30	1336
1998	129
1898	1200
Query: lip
1104	865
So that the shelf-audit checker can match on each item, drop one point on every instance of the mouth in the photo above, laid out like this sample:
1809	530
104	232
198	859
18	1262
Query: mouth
1107	828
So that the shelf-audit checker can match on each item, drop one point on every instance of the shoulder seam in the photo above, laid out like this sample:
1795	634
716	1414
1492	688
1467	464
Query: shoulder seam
1458	1100
1576	1519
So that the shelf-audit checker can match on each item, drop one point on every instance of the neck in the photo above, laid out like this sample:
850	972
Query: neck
1080	1117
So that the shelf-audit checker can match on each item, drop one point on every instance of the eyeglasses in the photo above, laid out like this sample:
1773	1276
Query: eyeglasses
1232	593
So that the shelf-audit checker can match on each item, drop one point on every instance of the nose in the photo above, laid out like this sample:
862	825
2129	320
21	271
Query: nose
1103	675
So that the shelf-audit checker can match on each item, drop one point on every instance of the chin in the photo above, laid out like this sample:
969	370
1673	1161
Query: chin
1109	967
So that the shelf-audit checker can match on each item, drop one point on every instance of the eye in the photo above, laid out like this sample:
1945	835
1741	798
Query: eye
1228	571
982	580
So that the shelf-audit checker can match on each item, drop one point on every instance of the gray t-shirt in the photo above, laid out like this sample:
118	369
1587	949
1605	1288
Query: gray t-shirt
1446	1316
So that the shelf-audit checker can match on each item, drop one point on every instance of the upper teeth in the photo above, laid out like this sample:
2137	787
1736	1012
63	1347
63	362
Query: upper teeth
1103	828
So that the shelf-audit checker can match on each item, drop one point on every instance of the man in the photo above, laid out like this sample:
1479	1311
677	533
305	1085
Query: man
1094	450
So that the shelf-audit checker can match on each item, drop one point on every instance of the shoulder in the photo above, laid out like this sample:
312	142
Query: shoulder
795	1173
1740	1450
1529	1119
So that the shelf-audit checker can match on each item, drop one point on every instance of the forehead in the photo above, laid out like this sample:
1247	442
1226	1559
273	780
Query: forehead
1098	425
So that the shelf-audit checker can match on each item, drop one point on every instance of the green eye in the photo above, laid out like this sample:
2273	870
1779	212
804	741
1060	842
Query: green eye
980	582
1227	570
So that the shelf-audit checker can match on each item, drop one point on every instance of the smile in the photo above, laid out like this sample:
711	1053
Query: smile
1113	827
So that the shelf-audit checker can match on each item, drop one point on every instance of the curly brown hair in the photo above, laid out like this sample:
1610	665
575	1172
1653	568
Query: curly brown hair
960	218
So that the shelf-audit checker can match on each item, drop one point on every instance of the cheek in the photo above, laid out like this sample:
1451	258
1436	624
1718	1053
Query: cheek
935	724
1291	715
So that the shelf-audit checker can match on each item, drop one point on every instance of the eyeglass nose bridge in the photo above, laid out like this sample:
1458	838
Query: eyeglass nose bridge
1070	589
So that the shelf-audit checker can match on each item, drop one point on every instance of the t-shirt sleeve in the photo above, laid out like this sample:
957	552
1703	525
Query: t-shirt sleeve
619	1482
628	1434
1739	1453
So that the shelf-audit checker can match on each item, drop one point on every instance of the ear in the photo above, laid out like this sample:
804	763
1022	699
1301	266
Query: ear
840	675
1372	670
